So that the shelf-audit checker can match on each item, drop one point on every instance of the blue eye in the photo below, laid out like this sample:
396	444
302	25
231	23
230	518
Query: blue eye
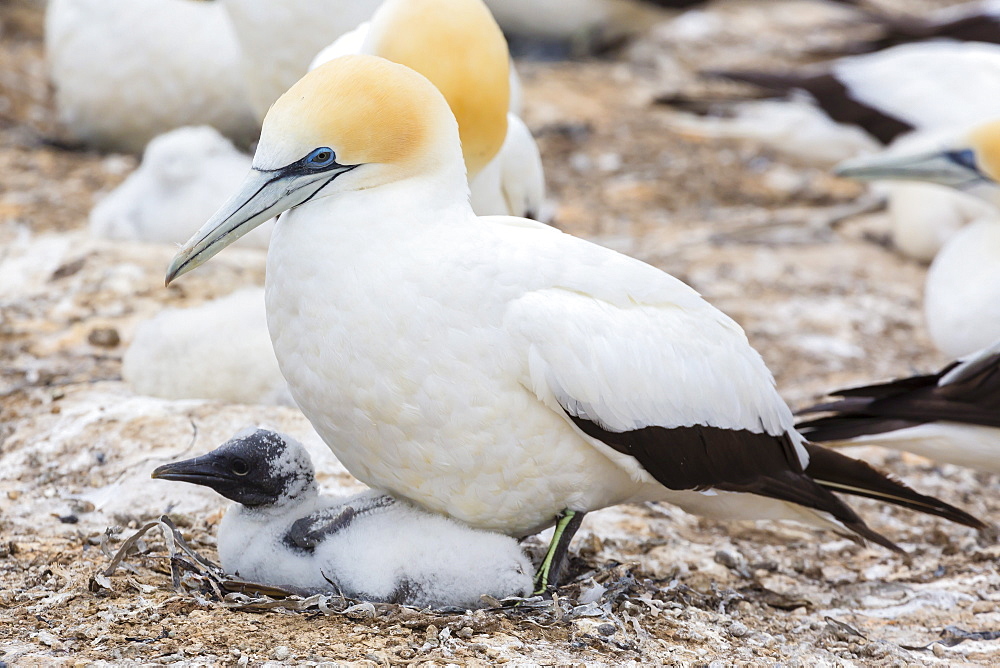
321	157
966	158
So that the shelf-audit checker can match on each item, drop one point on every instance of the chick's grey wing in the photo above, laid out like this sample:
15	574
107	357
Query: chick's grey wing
309	531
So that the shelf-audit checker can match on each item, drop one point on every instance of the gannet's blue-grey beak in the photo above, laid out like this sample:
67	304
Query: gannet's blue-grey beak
954	168
263	195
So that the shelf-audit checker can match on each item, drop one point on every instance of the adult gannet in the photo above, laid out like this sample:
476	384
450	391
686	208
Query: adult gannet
125	72
962	291
492	368
459	46
281	532
928	85
951	416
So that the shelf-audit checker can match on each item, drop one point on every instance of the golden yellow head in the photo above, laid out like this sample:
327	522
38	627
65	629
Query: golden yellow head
459	47
367	109
984	140
353	124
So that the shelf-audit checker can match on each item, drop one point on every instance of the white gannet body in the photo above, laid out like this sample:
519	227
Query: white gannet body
950	416
281	532
184	177
125	72
219	350
456	44
279	39
962	292
492	368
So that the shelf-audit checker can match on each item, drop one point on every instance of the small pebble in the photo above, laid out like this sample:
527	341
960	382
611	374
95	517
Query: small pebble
738	629
606	629
106	337
281	653
464	632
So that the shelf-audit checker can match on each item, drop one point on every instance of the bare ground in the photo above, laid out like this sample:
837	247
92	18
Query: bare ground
826	302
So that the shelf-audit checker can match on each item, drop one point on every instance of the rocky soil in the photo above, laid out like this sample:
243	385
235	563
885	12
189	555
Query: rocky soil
771	242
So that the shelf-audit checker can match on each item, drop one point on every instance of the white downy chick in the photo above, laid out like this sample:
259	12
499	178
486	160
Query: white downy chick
281	532
219	350
184	177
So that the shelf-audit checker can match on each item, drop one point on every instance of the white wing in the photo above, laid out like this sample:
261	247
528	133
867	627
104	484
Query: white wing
640	350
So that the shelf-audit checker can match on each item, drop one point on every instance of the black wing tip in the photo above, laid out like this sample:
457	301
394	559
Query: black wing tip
840	473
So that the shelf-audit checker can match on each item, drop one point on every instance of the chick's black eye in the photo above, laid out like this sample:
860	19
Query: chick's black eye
321	157
240	467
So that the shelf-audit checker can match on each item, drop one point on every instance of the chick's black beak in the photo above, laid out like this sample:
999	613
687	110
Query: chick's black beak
207	470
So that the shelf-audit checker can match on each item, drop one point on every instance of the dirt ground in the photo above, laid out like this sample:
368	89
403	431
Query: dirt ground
822	297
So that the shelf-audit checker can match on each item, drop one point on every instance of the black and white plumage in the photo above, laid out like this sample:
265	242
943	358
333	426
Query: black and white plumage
501	372
951	416
927	85
281	532
977	21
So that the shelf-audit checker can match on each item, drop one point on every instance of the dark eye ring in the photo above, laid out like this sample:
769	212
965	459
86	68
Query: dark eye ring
321	157
240	467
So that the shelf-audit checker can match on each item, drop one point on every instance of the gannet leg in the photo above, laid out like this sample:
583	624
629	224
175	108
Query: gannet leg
555	558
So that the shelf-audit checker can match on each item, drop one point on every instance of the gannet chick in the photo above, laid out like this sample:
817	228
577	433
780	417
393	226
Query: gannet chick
459	46
125	72
962	290
928	85
219	350
951	416
184	177
281	532
492	368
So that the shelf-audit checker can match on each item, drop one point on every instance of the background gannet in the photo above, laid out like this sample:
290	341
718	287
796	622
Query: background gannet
218	350
962	291
125	72
459	46
280	532
950	416
977	21
278	40
928	85
182	179
492	368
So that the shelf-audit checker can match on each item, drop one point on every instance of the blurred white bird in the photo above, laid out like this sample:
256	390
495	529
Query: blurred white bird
950	416
278	40
219	350
281	532
962	293
183	178
492	368
125	72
